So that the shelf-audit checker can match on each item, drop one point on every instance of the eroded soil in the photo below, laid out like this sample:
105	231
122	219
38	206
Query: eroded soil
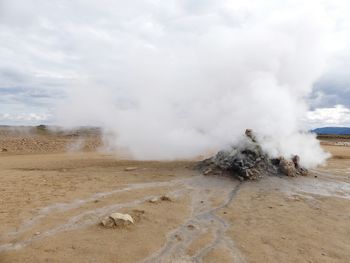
52	202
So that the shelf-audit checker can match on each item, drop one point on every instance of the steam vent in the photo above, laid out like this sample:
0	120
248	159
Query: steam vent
248	162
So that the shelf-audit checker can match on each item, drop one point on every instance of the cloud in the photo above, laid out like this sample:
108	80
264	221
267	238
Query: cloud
338	115
330	93
333	87
24	118
57	45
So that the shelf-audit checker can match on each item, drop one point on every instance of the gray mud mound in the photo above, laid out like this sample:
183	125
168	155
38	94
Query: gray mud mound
248	162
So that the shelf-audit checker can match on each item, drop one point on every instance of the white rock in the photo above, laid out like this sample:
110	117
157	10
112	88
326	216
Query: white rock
121	218
154	200
117	219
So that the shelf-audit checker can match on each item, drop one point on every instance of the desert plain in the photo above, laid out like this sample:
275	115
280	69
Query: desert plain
56	187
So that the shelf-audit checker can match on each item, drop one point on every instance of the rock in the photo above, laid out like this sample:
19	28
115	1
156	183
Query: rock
165	198
302	171
158	199
178	237
248	161
3	150
296	160
121	219
287	167
154	200
107	222
117	219
190	227
137	214
292	167
207	171
128	169
249	134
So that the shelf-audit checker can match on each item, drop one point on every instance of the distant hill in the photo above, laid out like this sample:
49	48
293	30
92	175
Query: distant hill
333	130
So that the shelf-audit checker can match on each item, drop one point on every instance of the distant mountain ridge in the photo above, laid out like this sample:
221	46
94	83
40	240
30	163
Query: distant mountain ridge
332	130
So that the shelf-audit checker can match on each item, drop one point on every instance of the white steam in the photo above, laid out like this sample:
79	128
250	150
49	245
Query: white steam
179	79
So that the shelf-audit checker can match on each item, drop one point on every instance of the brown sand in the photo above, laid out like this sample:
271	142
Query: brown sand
52	202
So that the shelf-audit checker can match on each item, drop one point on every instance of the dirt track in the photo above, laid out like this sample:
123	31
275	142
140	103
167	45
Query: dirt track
51	204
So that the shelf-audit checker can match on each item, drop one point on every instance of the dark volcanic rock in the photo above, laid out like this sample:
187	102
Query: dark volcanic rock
248	162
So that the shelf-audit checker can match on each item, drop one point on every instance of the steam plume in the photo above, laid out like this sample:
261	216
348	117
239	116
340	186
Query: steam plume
183	81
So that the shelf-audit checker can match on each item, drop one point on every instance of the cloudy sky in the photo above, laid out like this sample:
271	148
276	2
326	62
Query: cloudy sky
48	48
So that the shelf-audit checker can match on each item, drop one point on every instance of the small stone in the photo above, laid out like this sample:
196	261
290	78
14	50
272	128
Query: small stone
117	219
137	213
121	219
154	200
190	227
128	169
240	178
107	222
179	238
165	198
37	233
3	150
207	171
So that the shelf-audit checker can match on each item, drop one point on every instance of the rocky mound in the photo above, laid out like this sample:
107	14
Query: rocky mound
249	162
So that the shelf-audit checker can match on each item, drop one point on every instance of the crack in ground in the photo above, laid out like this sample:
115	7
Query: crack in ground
203	218
85	218
63	207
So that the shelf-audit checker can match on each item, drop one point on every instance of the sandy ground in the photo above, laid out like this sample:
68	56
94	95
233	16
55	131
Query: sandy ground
51	203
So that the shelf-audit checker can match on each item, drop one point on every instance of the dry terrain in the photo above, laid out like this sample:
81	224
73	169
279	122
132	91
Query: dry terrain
56	187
